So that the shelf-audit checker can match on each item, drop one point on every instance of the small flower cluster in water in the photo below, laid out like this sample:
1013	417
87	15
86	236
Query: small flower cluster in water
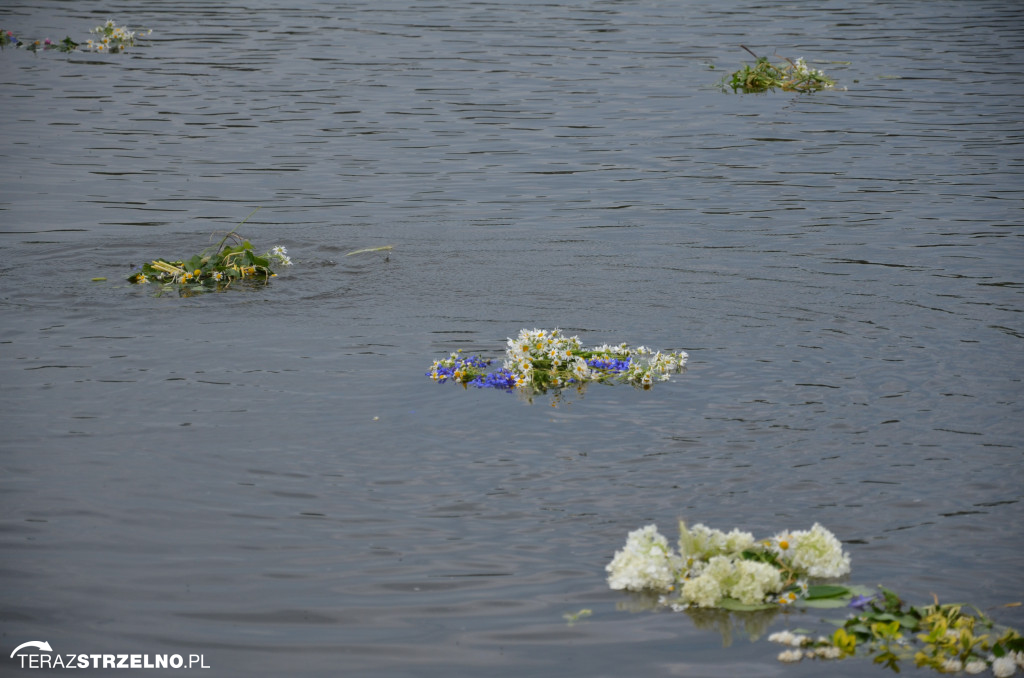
735	572
110	38
791	76
538	360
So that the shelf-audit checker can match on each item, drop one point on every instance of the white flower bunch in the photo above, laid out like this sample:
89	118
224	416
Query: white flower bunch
112	38
816	552
1005	666
646	562
801	69
622	349
822	648
541	344
554	352
659	367
712	565
701	542
747	581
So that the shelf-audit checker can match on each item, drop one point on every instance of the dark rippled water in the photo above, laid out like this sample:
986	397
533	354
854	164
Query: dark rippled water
265	477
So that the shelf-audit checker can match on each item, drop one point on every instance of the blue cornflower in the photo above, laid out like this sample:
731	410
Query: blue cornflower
861	602
441	373
609	364
503	378
454	367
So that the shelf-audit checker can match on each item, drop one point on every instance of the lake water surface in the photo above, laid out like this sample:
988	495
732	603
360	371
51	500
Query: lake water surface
266	477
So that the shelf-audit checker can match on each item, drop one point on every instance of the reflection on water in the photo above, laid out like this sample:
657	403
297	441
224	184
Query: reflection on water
266	477
731	626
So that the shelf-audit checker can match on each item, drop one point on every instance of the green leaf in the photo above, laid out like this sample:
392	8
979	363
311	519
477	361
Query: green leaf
737	606
860	629
826	591
909	622
861	590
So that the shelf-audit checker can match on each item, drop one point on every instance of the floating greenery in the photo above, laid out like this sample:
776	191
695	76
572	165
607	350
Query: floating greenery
216	268
539	360
714	573
763	76
945	638
572	617
110	38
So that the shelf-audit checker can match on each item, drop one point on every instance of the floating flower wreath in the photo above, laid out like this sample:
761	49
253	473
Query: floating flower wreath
109	38
216	268
730	570
735	572
539	360
792	76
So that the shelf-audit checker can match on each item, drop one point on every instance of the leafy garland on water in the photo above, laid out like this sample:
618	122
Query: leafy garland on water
109	38
735	572
763	76
215	268
541	360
